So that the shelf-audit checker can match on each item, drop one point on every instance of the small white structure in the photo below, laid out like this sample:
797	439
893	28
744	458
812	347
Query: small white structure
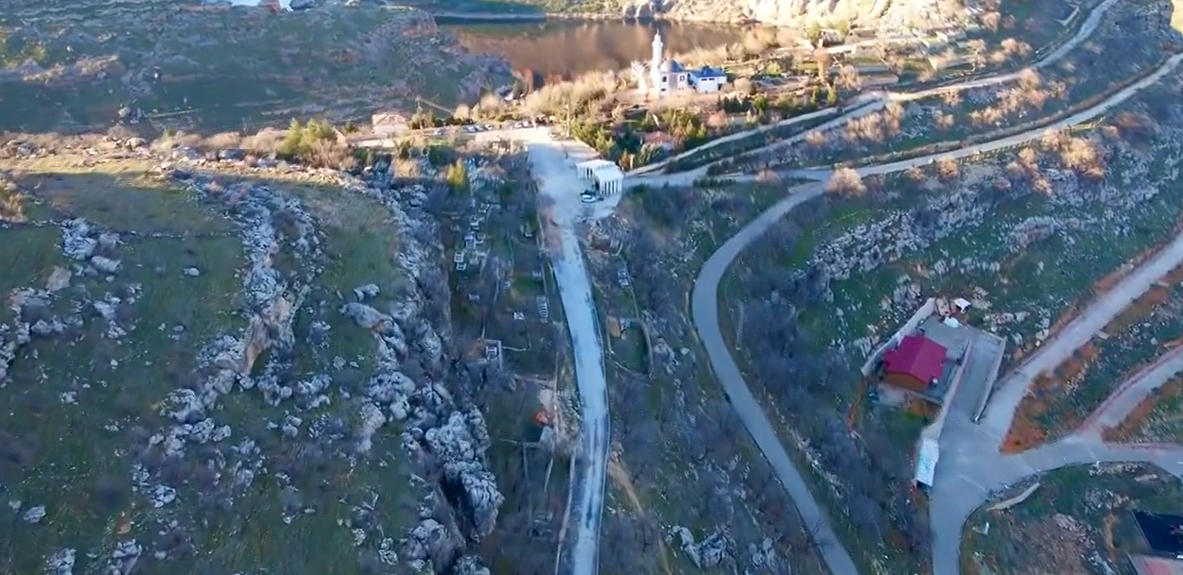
707	80
388	124
926	461
608	177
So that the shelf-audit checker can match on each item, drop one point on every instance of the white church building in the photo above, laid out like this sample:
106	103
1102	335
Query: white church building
663	76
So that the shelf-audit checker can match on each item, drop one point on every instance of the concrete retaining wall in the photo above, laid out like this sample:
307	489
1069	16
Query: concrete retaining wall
993	382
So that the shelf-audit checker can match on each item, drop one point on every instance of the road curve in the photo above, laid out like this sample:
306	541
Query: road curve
1085	115
704	306
704	310
864	104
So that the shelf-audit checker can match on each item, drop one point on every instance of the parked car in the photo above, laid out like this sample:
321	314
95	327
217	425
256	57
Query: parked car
589	197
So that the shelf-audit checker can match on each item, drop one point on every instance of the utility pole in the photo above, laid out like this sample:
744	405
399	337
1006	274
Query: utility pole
568	130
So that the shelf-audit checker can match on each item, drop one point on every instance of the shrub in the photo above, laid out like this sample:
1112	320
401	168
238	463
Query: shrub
316	145
457	175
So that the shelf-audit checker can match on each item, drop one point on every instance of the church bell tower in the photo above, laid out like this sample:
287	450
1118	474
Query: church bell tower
658	50
655	64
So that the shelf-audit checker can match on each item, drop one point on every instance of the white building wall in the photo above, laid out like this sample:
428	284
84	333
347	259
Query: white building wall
386	130
707	85
610	180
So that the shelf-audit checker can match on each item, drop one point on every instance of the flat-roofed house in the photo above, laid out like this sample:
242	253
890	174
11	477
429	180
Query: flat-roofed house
387	124
707	80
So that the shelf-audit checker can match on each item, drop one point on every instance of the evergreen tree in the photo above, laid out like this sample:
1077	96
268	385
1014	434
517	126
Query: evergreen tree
813	33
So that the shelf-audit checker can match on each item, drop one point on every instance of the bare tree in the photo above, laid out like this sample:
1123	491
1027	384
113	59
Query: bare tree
655	285
848	78
642	450
977	51
717	120
718	427
632	541
846	182
947	169
823	59
991	20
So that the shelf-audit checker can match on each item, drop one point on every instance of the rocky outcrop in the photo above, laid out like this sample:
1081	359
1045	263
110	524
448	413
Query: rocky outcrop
705	554
441	429
31	307
417	391
11	340
417	387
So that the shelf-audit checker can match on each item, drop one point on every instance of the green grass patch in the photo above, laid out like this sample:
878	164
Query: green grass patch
81	405
361	244
1078	521
125	198
76	447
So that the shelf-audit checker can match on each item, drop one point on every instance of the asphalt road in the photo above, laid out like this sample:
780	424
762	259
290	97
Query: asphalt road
559	180
971	471
862	105
706	319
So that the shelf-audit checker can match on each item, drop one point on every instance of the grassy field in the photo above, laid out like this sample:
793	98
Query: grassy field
1077	521
214	67
83	403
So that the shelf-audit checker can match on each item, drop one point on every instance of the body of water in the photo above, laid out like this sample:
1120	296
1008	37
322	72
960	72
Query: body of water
560	49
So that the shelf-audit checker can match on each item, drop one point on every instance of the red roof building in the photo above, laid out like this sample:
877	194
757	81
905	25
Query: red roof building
916	363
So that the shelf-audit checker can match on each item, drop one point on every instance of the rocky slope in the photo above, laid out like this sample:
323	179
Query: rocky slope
261	438
70	66
442	432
